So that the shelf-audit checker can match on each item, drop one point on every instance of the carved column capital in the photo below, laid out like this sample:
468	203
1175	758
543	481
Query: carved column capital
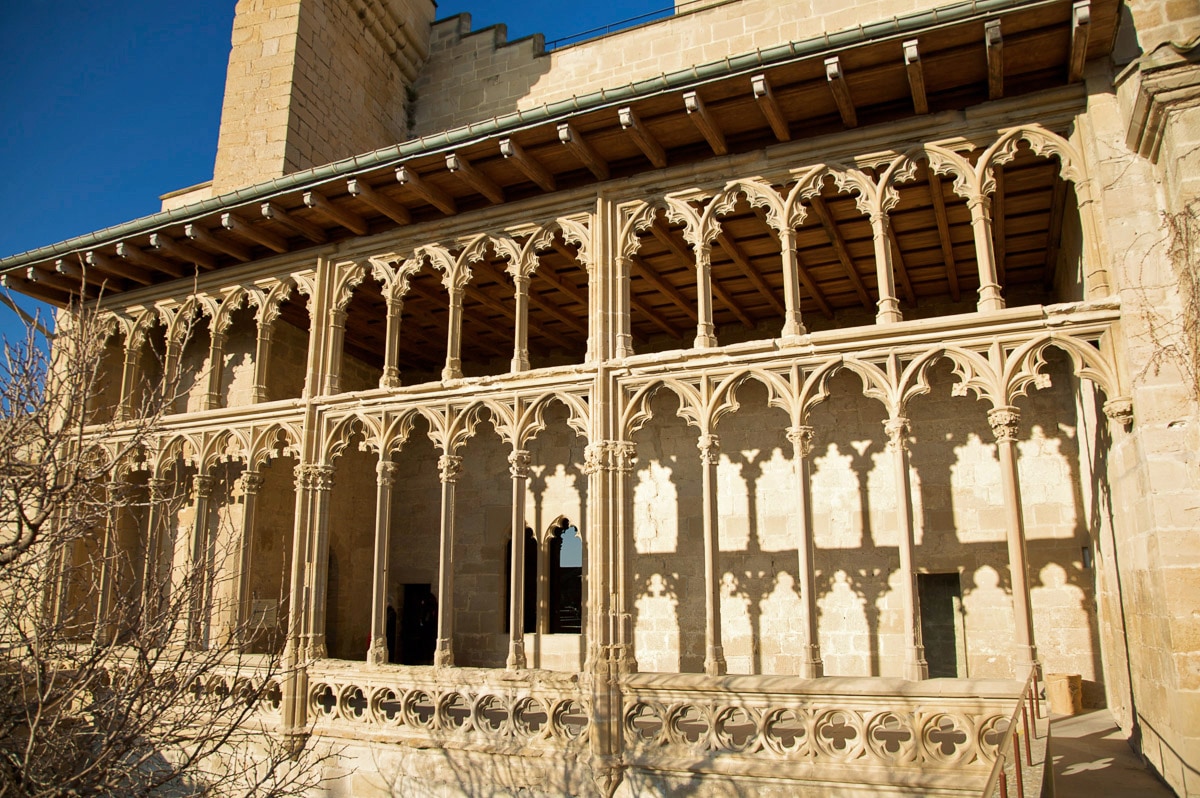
449	467
896	428
1120	411
801	437
518	463
710	449
1005	422
623	453
311	476
202	485
594	457
251	482
385	473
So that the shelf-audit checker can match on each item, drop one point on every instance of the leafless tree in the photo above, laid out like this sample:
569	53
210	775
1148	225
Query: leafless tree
114	678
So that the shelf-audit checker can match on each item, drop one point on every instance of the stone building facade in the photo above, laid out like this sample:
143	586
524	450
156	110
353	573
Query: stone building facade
814	352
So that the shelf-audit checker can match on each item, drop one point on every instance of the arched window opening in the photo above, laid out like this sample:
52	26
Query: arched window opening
566	579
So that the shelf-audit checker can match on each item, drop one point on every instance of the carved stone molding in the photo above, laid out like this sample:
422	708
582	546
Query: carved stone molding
1005	422
1120	411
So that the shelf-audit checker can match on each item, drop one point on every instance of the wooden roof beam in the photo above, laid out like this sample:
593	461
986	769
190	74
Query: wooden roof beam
439	199
704	121
683	253
916	76
810	285
642	137
836	79
147	261
742	261
1054	233
117	267
534	300
653	317
765	98
644	270
529	166
943	225
578	146
994	42
204	238
901	270
384	204
839	247
1081	26
76	271
16	282
181	251
276	213
468	315
259	235
547	274
342	216
474	178
47	277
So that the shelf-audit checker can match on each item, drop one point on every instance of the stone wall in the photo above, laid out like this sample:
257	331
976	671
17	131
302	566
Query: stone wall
471	76
310	82
959	529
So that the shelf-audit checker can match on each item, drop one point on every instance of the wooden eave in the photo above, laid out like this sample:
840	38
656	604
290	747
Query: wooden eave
1037	42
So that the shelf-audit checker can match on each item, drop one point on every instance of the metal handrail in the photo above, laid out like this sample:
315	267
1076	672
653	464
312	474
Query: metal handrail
1009	748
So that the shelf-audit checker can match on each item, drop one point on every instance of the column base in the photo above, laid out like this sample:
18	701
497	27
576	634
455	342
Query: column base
714	661
704	342
917	668
812	667
443	657
516	658
990	298
377	654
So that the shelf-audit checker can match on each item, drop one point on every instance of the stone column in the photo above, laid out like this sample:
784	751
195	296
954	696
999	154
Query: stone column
102	631
391	348
321	484
450	467
915	666
377	652
216	354
705	331
242	611
170	386
714	653
621	463
792	324
453	368
335	347
197	572
295	677
262	360
885	270
990	297
520	359
1005	422
152	585
129	378
621	309
519	469
811	664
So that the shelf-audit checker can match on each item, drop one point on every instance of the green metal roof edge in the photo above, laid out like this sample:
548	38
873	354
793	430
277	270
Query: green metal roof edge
396	154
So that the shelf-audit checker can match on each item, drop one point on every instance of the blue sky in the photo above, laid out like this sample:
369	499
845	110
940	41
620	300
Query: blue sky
107	105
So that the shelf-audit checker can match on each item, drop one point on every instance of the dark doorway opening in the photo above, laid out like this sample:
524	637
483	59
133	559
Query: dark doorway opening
416	638
942	629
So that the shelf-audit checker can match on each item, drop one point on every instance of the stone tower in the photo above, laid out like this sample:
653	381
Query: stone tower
314	81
